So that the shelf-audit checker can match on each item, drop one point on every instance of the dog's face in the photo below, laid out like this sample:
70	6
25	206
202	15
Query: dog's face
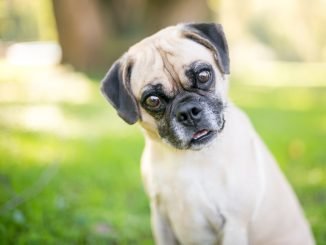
174	83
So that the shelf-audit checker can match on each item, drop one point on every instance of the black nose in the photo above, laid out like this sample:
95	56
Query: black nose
188	114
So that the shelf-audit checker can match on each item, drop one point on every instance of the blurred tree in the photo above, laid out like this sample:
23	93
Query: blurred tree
24	21
81	32
94	33
291	30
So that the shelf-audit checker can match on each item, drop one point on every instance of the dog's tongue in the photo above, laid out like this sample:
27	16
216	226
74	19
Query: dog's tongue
199	134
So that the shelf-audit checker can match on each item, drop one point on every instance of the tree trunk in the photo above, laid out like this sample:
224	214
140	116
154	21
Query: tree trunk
93	33
81	32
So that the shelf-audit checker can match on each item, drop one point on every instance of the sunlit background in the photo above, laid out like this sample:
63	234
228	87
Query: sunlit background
69	167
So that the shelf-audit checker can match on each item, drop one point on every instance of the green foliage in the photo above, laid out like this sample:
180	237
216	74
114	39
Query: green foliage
85	187
280	30
26	21
276	39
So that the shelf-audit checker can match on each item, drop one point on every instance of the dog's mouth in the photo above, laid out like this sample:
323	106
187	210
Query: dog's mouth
202	136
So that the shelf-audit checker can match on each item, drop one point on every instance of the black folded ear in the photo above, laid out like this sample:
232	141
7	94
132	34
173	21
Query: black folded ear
211	35
116	88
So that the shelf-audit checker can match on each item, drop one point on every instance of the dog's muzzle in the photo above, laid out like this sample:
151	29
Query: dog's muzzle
197	120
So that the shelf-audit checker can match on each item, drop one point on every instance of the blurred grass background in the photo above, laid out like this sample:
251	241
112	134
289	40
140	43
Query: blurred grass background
69	167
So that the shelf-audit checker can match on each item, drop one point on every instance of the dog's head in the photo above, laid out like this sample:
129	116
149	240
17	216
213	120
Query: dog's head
174	83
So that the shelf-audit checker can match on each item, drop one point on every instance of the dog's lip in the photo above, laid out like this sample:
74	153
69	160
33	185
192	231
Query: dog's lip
202	136
199	134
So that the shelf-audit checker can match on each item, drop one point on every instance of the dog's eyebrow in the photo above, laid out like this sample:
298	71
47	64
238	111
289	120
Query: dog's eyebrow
195	67
199	64
153	89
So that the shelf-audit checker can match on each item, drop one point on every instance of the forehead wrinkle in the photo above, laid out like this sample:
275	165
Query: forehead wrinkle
169	68
149	69
144	60
154	64
147	56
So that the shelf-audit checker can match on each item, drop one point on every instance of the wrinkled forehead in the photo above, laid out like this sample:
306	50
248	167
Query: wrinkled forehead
163	59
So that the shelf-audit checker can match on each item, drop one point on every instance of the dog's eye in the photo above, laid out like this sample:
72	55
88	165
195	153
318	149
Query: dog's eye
203	76
153	102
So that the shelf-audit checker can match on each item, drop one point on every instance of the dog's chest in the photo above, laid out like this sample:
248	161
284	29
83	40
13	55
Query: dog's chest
188	197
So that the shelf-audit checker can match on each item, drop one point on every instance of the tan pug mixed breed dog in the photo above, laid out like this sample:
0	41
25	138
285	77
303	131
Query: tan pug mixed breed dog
209	177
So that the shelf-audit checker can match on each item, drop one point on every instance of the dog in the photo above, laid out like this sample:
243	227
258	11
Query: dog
208	176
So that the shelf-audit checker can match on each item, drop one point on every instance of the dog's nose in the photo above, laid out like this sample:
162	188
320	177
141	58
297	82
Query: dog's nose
188	114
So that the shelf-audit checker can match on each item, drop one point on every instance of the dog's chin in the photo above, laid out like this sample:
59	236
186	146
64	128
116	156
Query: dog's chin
197	139
195	142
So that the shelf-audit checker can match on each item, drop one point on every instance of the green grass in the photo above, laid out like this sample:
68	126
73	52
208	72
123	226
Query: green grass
83	187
